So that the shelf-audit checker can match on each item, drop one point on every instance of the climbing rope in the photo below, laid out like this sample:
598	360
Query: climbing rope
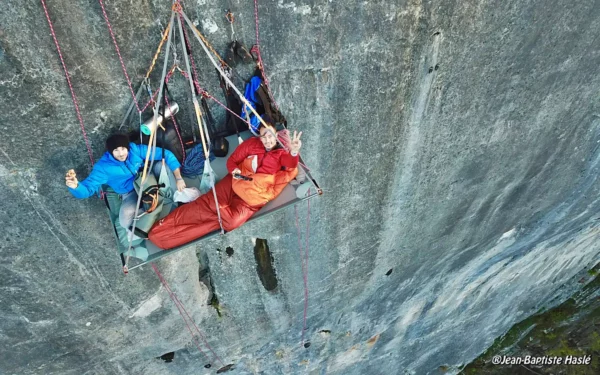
73	97
112	35
182	311
151	101
256	49
207	95
160	45
304	261
210	47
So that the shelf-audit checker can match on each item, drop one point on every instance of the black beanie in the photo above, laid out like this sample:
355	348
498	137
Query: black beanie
266	118
117	140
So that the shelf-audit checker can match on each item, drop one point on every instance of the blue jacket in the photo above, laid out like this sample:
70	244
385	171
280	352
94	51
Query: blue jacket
250	95
119	175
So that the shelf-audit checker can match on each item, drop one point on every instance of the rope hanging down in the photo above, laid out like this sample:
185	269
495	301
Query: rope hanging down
112	35
75	101
182	311
304	261
256	49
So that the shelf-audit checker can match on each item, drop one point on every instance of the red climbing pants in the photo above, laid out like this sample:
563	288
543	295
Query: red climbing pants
198	218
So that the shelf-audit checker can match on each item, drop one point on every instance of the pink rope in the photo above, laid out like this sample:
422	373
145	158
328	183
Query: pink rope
306	257
256	48
75	102
208	95
179	304
152	99
180	312
304	260
112	35
224	106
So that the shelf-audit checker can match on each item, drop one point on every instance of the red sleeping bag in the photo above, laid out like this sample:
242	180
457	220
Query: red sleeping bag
270	170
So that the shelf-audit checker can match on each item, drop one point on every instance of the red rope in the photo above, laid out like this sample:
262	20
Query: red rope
152	99
208	95
304	260
224	106
256	49
180	312
181	307
75	102
112	35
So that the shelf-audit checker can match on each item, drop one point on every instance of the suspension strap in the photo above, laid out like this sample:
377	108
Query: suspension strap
73	97
191	25
182	311
151	142
199	120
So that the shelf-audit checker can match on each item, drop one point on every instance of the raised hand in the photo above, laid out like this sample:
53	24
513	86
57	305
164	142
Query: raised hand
180	184
71	179
296	143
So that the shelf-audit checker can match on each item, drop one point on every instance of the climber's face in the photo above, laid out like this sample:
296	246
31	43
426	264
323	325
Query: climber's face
120	153
267	137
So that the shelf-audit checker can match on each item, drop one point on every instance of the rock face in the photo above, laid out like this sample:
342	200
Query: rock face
457	143
562	340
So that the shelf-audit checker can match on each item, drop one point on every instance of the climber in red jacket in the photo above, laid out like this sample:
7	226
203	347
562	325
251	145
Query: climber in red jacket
270	168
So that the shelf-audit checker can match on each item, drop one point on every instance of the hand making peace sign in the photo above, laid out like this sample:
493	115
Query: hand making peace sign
296	143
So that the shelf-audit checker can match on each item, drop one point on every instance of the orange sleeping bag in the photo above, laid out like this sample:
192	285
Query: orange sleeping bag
264	187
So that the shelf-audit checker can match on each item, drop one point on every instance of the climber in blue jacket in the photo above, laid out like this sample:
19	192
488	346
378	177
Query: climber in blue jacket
118	169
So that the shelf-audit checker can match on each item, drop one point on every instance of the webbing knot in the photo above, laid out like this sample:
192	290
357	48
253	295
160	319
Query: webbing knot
177	7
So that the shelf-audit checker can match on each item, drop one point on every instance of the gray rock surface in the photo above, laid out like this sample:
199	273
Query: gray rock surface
457	142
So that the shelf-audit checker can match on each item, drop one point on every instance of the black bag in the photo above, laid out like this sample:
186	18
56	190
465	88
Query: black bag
219	144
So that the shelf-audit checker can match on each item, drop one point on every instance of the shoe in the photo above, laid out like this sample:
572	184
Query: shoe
230	54
131	236
242	52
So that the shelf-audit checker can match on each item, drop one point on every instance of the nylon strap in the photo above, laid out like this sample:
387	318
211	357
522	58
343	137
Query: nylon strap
152	139
199	119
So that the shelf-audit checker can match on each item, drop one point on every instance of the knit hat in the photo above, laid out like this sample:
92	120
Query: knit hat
266	118
116	141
